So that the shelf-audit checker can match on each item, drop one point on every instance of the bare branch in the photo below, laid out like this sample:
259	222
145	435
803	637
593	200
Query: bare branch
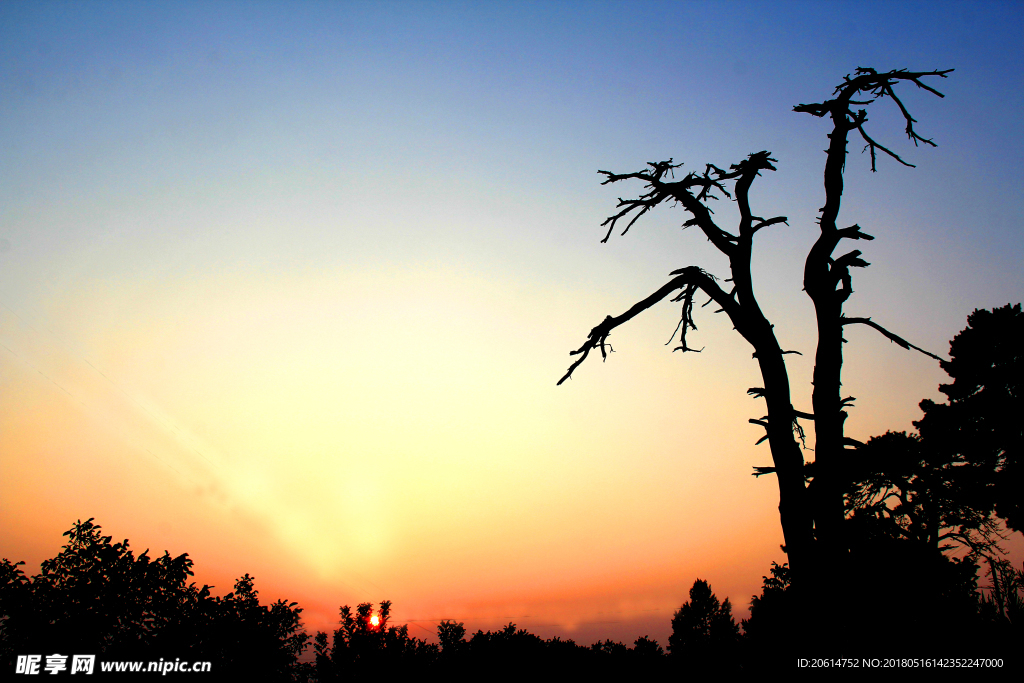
799	431
818	110
685	317
872	145
850	260
659	168
763	422
853	233
941	74
690	279
770	221
659	191
914	137
645	203
877	86
899	341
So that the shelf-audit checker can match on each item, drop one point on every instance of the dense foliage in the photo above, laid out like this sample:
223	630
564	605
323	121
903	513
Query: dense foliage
980	425
97	597
703	630
934	504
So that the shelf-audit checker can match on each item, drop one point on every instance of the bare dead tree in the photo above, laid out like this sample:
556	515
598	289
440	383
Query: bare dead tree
828	282
811	514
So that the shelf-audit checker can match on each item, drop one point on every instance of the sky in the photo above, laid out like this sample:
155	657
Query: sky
288	286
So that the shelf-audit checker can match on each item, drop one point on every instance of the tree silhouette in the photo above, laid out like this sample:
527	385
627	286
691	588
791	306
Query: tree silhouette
767	632
941	488
981	425
451	636
906	489
928	501
511	648
259	642
647	648
812	515
358	642
365	644
704	635
98	597
1005	599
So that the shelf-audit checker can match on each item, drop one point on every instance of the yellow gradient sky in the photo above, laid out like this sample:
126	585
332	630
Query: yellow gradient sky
288	288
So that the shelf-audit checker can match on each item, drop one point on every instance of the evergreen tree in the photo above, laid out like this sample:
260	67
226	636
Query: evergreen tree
704	634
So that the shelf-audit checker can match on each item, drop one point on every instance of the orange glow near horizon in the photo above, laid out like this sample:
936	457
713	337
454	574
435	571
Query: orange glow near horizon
353	478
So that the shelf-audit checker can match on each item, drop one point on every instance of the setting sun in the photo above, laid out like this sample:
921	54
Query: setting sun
374	620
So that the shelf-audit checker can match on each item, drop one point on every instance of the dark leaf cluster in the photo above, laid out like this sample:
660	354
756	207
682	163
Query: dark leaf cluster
946	487
362	647
97	597
704	634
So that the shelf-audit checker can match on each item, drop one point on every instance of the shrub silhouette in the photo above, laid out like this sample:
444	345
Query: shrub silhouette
704	637
98	597
927	503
